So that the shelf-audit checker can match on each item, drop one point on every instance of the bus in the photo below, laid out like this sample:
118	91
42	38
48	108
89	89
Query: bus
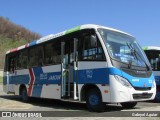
153	54
89	63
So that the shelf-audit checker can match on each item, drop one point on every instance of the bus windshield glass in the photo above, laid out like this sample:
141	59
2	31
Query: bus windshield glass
123	48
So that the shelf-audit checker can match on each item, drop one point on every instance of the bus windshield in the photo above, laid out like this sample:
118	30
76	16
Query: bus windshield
123	48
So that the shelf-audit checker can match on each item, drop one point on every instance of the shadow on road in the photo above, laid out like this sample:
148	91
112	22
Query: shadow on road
58	104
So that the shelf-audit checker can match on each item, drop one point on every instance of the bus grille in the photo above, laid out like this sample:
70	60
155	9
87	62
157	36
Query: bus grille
142	88
142	96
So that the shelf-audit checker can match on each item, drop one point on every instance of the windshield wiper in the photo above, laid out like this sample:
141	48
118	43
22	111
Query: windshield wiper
133	51
129	64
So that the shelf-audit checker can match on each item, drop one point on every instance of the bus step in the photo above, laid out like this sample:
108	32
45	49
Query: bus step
70	99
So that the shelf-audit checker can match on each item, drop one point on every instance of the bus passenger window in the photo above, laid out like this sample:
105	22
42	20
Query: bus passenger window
22	60
52	53
36	56
12	64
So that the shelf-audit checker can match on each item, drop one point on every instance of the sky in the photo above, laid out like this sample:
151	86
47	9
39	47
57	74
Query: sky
140	18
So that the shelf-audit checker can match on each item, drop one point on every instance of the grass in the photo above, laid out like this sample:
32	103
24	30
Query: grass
7	43
1	80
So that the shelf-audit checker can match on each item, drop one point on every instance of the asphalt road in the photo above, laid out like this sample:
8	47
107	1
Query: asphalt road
69	109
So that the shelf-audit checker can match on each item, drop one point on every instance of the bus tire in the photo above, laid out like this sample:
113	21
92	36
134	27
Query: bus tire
24	95
129	105
94	101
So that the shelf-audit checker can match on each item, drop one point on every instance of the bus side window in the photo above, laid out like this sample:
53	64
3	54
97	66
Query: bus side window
52	53
12	64
36	56
22	60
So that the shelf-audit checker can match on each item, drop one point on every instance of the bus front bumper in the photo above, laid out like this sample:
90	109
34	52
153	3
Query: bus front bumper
120	93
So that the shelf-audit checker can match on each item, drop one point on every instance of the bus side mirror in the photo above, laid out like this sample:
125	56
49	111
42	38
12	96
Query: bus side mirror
93	41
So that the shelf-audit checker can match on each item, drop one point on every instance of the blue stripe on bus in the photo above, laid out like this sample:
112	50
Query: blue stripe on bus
44	78
139	82
19	79
52	78
157	80
32	43
101	76
96	76
37	89
135	81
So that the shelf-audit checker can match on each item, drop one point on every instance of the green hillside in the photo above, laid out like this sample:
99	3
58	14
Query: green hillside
12	36
8	43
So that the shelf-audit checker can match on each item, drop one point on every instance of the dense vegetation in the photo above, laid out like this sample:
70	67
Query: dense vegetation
12	35
16	32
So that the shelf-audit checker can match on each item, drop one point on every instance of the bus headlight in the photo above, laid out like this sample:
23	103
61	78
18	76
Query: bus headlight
123	81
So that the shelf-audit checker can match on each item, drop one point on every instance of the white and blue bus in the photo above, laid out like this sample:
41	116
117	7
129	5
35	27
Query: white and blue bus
153	54
90	63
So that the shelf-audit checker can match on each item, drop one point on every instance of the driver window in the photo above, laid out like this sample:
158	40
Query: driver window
91	49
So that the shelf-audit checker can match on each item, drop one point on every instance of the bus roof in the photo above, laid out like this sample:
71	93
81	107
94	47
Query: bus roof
52	36
151	48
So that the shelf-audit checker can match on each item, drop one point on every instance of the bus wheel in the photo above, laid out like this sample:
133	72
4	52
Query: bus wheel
129	105
94	101
24	95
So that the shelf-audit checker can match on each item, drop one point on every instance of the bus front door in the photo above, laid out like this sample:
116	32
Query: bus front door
69	84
